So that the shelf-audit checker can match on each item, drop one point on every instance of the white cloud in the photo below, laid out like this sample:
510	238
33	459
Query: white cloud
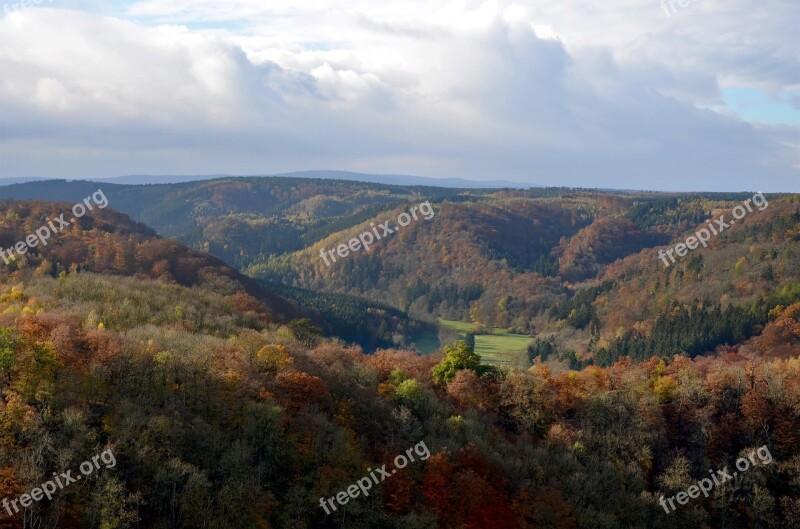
569	93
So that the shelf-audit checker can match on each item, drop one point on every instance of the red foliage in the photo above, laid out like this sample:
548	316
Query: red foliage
399	492
297	389
479	506
10	487
469	458
436	484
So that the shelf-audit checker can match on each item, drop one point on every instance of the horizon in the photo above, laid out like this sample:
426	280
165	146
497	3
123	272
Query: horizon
360	177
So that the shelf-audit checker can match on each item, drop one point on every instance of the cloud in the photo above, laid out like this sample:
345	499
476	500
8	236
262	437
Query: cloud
536	92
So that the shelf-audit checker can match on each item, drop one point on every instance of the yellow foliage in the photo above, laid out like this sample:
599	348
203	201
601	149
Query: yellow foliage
163	358
740	264
776	311
272	359
11	310
659	369
541	370
15	295
664	388
792	366
385	388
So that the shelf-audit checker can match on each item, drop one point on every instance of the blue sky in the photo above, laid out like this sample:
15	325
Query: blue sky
621	93
757	106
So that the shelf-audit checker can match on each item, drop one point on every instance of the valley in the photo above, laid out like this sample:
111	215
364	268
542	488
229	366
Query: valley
239	381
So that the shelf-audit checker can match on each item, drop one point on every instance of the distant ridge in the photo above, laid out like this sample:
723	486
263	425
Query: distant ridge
407	180
21	180
145	179
389	179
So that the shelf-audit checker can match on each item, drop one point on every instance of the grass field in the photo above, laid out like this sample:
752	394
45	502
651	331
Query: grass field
427	343
499	349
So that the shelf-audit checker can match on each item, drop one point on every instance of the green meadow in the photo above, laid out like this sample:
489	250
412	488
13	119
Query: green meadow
501	349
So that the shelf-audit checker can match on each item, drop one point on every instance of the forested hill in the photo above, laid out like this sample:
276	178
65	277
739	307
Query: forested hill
108	242
715	296
239	219
219	415
579	269
217	418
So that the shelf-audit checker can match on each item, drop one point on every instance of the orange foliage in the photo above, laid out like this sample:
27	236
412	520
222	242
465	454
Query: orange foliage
297	389
416	366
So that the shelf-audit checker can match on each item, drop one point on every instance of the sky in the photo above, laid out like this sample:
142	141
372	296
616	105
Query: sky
672	95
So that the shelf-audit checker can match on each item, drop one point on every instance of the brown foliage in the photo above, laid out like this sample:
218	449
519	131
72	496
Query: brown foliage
544	508
436	484
414	365
399	492
69	343
465	388
244	302
781	337
10	488
103	346
297	389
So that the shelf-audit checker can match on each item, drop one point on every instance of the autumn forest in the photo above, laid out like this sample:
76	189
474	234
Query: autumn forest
194	330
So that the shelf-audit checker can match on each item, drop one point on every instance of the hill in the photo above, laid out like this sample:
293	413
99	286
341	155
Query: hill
577	268
106	241
404	180
238	219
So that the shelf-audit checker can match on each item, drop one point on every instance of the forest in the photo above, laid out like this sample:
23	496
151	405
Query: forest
223	420
572	265
239	398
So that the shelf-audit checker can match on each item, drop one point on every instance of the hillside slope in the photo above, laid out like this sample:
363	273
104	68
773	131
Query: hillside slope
211	417
239	219
713	297
106	241
576	267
